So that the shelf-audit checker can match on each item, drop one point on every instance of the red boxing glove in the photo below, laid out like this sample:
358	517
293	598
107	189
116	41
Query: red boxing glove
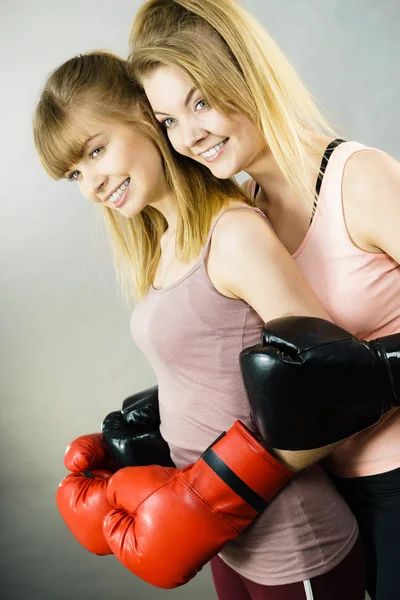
88	452
81	496
168	523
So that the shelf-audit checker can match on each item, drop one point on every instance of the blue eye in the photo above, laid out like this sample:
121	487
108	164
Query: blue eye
168	122
96	152
73	176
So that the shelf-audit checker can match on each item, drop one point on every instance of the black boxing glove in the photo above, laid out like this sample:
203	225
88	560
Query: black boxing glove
132	434
311	383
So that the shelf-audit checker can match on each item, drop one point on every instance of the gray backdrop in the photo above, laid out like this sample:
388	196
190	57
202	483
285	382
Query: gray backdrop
67	355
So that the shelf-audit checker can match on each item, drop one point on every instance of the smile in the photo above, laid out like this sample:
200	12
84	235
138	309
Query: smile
212	153
119	196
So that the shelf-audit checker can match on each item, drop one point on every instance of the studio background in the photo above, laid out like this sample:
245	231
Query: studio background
67	355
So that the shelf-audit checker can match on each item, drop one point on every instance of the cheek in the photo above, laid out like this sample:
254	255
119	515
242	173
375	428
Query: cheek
150	166
215	122
175	140
84	191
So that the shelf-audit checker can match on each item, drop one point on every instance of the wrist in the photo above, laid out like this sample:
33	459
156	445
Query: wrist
236	461
388	351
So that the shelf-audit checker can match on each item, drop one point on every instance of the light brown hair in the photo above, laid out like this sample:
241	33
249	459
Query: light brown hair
100	84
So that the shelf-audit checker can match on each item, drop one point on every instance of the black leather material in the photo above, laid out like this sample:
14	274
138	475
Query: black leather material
132	434
311	383
388	349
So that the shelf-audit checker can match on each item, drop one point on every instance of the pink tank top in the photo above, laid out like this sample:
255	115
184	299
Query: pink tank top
192	336
361	292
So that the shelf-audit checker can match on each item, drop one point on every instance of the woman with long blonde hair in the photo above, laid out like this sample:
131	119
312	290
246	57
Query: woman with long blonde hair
206	271
228	98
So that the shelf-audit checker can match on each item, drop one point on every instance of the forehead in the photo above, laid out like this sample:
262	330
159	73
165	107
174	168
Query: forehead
167	87
84	125
75	137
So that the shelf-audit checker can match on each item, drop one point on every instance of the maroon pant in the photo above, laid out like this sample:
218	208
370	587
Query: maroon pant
345	582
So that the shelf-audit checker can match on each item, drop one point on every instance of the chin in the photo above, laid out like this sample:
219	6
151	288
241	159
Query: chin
129	212
223	171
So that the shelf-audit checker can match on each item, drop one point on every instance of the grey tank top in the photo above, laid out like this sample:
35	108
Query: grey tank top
192	337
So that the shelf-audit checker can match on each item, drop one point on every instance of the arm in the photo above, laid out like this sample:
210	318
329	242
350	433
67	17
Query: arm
310	382
249	262
251	275
167	523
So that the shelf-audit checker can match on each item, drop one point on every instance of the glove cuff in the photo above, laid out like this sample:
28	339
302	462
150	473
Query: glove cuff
238	463
387	349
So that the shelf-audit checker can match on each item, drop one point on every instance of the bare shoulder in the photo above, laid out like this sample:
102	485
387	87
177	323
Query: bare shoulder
366	171
240	231
242	242
371	191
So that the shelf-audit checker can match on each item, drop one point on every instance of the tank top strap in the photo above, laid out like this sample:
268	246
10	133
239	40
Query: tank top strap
217	218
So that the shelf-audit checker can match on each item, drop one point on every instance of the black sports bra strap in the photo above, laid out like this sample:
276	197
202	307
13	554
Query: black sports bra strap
327	154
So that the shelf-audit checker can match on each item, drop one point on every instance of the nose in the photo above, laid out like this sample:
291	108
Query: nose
192	134
96	185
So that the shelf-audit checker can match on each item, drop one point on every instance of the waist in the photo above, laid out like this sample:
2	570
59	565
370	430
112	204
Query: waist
297	537
192	417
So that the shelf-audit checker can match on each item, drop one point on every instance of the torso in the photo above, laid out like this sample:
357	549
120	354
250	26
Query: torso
192	336
358	285
291	217
170	268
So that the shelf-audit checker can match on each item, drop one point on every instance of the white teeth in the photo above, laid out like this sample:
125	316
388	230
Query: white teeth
118	193
213	150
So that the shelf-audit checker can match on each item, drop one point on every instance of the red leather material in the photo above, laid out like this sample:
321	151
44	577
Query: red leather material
86	452
248	459
82	503
168	523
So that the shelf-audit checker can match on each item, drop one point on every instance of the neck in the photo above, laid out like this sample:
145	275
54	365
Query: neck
276	190
165	203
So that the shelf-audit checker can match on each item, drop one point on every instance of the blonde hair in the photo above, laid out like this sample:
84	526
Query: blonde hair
243	68
100	85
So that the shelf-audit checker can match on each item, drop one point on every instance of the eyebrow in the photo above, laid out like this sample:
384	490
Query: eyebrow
87	142
84	147
187	100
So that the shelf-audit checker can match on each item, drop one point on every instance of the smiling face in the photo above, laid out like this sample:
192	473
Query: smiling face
226	144
120	168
